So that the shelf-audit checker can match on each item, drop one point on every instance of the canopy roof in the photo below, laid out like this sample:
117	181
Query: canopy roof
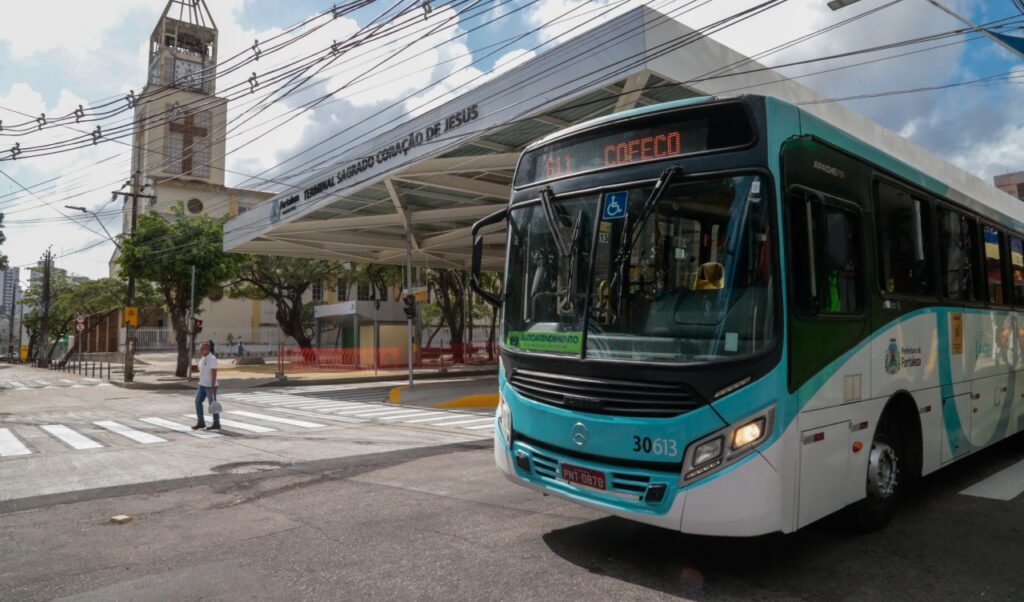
426	181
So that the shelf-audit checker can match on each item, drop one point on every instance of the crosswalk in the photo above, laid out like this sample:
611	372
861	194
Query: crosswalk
359	405
54	383
261	414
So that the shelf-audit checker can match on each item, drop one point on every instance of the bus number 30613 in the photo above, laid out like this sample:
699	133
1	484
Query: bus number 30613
658	447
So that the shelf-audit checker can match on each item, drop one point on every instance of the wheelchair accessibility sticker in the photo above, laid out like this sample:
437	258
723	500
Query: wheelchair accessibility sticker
615	205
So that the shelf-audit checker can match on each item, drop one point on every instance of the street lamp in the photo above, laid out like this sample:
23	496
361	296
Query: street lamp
838	4
93	213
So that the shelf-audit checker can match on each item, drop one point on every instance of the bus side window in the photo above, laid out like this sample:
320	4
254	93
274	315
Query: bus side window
993	265
1017	269
903	228
842	269
825	248
958	256
804	212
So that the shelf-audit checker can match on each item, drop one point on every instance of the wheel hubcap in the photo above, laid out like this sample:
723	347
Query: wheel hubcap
883	470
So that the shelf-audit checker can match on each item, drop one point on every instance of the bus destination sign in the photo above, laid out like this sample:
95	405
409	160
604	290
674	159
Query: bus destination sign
652	138
615	149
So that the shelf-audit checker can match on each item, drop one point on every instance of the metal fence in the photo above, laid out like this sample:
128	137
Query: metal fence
263	340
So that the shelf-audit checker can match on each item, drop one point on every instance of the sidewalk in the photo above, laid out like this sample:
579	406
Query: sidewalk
158	373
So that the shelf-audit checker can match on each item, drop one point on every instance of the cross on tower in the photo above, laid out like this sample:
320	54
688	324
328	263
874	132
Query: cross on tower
189	132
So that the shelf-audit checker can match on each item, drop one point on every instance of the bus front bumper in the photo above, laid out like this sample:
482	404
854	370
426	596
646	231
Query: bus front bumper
745	500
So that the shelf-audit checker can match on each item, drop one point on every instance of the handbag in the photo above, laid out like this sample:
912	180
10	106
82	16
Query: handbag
215	407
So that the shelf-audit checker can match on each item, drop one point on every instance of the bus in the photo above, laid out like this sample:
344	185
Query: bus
727	316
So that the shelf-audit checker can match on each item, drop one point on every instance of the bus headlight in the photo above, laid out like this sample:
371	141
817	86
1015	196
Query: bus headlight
504	419
709	454
707	451
748	433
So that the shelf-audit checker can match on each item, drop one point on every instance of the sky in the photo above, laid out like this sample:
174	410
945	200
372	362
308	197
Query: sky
59	54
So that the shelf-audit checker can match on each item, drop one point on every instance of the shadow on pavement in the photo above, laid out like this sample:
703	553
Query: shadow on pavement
940	546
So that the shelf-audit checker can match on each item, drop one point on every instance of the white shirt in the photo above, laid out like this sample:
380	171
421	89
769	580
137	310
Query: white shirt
207	364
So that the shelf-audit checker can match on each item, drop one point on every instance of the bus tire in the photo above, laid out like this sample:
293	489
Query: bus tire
885	480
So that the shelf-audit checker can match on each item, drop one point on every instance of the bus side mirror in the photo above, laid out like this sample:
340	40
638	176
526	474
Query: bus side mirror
478	251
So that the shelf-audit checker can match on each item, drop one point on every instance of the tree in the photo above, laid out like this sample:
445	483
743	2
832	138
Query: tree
60	287
3	258
449	292
283	281
379	277
95	299
489	281
164	251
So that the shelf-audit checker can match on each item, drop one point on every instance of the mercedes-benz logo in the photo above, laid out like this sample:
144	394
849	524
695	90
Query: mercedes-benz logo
580	434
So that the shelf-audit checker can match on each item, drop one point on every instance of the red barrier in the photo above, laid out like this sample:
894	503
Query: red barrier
352	359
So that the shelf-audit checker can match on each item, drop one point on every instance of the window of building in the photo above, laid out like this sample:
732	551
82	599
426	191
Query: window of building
958	256
994	265
829	278
363	292
1017	269
903	242
318	291
342	289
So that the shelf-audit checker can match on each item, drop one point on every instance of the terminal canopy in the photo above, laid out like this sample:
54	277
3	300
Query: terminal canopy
417	189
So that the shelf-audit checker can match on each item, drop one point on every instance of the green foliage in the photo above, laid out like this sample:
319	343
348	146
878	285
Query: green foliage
380	277
94	299
283	281
163	253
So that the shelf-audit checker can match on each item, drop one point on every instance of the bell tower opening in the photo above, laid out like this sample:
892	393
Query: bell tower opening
183	48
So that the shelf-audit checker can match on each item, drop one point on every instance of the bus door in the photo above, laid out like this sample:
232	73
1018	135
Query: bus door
826	274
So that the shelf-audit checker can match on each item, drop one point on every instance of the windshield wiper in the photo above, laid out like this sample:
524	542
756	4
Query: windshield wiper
567	304
627	240
547	200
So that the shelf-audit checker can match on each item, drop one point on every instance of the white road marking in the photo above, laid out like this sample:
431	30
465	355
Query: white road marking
321	416
336	406
464	421
11	445
378	412
133	434
18	385
300	423
69	381
253	428
413	414
446	416
480	426
177	426
71	437
356	409
1005	485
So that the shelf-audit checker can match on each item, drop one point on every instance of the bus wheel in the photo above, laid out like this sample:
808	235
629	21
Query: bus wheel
884	482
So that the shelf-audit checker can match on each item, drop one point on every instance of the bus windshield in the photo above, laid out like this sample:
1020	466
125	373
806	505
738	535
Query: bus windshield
689	279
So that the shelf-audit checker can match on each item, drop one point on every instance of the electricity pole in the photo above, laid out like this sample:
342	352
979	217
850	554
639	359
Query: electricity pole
41	355
192	323
129	332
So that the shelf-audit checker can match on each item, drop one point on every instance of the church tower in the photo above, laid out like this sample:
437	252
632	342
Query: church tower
180	122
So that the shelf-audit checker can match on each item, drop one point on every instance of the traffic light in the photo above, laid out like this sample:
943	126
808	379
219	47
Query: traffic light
197	326
410	306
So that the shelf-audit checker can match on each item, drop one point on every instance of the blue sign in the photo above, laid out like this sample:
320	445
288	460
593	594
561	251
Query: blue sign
615	205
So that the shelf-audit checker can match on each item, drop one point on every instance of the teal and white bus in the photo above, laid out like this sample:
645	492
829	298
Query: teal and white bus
729	317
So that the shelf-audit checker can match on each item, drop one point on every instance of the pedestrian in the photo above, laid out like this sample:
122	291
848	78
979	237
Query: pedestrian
207	387
241	348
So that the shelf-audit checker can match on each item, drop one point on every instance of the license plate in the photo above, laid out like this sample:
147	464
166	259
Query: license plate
583	476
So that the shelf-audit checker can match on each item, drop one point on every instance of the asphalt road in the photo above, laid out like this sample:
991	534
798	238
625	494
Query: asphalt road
425	516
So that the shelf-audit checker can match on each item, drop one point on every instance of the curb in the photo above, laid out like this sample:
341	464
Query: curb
302	382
